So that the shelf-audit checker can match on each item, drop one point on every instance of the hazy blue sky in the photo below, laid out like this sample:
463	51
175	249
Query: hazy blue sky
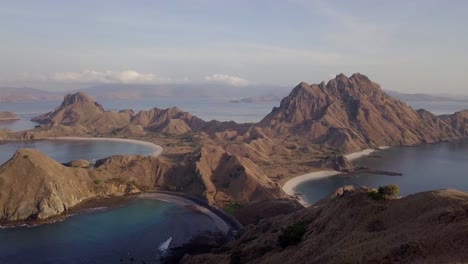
410	46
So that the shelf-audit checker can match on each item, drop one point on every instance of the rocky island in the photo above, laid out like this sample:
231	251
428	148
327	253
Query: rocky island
7	116
228	164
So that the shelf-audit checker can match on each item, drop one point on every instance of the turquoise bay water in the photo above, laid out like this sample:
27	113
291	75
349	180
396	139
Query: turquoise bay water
104	235
133	231
66	150
425	167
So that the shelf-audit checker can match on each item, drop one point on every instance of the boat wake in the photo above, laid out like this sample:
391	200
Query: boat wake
165	245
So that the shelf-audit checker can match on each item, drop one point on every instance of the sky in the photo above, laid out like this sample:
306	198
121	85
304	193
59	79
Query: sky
407	46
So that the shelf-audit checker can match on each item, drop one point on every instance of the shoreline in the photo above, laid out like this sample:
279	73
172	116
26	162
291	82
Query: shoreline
156	149
290	185
223	222
10	119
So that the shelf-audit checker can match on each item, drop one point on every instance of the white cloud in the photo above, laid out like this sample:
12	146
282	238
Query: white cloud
92	76
227	79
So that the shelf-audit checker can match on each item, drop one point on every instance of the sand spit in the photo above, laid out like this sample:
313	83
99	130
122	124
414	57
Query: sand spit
157	150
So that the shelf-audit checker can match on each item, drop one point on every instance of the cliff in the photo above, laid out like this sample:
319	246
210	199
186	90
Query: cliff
351	227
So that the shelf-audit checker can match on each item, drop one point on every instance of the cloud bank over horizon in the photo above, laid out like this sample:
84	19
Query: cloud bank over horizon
97	77
407	46
227	79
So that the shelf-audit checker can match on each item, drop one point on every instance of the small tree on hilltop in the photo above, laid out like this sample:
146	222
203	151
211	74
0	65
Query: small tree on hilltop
385	192
389	191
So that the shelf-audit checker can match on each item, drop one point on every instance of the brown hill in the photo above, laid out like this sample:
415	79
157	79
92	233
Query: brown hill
168	121
79	115
79	112
428	227
353	113
33	186
231	178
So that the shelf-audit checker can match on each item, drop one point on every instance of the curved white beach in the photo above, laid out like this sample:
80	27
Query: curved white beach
157	150
291	184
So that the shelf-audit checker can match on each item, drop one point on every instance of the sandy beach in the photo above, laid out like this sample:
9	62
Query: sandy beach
157	150
291	184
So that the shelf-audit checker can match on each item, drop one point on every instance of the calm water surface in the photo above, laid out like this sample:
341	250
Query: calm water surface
133	231
64	151
425	167
205	108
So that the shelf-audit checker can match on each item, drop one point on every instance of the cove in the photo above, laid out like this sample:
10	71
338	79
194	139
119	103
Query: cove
134	231
424	167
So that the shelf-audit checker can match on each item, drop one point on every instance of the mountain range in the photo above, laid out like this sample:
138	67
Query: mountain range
244	165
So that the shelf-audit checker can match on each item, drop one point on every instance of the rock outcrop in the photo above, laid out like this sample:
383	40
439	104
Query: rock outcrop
352	114
351	227
459	121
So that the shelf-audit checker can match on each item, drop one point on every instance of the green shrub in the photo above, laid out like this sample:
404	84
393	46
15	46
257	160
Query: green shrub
25	156
389	190
385	192
292	235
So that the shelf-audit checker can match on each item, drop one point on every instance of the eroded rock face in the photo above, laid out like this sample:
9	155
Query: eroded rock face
232	178
354	113
459	121
351	227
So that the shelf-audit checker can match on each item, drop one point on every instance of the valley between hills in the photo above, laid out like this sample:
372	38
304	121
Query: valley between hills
226	163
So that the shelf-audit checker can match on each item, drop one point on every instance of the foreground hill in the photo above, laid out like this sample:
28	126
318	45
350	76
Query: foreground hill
35	187
354	113
351	227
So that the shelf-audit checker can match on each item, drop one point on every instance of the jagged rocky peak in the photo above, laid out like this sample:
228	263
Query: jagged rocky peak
354	113
79	97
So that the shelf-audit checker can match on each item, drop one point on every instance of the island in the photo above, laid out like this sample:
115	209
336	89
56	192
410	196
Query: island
230	165
8	116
